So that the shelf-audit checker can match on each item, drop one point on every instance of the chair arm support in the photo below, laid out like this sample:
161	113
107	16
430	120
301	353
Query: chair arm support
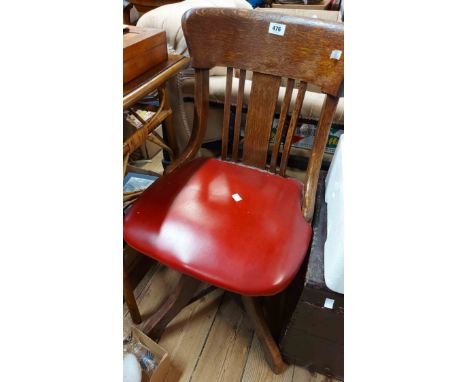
199	120
315	160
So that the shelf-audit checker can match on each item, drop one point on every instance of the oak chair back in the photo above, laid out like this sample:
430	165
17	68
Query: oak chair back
272	46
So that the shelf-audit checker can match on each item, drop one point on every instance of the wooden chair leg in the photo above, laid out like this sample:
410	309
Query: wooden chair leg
177	300
130	298
270	349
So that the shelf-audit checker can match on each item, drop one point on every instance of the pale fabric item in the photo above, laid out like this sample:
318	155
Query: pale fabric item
334	245
131	368
311	13
183	87
310	109
168	17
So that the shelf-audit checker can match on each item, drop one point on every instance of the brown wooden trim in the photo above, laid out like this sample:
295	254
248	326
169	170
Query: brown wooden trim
144	6
262	105
315	160
292	127
139	136
126	13
227	114
139	87
281	122
242	40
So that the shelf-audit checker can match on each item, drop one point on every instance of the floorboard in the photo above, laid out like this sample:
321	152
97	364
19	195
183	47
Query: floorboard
226	350
257	369
187	334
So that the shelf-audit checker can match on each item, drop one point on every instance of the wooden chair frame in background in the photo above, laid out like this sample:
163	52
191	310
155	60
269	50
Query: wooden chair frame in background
133	92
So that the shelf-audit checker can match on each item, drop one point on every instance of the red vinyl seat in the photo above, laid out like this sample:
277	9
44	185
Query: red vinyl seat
190	221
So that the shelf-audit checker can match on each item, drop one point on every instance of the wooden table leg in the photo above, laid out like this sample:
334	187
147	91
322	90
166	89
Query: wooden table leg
177	300
168	127
126	13
270	349
130	298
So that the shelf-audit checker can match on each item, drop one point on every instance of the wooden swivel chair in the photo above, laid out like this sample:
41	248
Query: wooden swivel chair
236	222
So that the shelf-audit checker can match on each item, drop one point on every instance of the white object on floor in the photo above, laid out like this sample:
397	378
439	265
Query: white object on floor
334	245
131	368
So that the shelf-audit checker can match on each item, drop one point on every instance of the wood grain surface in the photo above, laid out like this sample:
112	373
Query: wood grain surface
242	41
309	51
262	103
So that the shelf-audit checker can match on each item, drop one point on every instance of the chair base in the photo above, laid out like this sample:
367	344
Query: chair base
184	294
177	300
129	298
270	348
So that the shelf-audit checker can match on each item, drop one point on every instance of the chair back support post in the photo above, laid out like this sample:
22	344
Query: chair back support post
273	47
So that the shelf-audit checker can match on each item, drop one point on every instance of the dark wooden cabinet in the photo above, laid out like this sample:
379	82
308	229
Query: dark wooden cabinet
313	337
143	6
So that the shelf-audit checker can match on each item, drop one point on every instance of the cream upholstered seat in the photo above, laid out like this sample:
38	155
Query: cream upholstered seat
310	109
181	87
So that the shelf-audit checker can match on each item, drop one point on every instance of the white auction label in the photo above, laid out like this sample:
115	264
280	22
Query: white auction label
328	303
236	197
335	54
277	29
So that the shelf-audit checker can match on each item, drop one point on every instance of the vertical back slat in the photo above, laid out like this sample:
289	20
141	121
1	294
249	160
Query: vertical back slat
262	104
237	121
280	128
315	160
292	127
227	114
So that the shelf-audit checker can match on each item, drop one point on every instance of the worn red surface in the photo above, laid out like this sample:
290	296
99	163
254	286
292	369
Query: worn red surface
189	221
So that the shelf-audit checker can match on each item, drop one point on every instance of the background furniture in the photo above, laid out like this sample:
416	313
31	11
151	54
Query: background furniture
237	227
314	335
132	10
143	6
127	6
153	79
321	4
143	48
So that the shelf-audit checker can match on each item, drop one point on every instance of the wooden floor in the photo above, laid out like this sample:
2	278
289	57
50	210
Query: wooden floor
210	340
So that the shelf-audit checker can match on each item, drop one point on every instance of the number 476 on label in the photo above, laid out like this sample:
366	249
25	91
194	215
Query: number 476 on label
277	29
